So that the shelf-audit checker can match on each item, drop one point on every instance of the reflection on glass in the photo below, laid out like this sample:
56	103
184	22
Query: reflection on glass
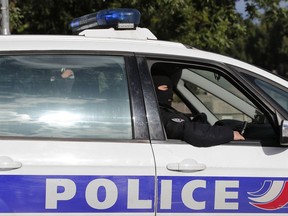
64	96
61	118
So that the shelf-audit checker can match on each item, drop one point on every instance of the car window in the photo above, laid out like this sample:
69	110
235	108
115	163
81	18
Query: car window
179	105
217	106
215	93
274	91
219	96
64	96
276	94
219	80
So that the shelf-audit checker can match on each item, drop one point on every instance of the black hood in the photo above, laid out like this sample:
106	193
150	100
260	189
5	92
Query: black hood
164	97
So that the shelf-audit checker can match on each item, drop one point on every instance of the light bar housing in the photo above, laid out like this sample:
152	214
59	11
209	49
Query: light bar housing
121	18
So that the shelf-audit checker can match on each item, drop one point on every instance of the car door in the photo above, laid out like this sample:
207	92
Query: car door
241	177
73	139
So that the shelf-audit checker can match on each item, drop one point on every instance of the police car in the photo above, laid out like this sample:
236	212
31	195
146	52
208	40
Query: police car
81	132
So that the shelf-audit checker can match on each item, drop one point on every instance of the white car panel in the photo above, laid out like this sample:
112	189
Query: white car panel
55	171
79	168
221	179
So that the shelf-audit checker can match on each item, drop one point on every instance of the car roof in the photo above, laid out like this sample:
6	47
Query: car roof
121	41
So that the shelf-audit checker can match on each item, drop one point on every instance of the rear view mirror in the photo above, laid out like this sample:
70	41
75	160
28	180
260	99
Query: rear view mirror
284	132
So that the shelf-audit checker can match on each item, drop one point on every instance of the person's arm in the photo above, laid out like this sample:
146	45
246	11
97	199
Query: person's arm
205	135
178	126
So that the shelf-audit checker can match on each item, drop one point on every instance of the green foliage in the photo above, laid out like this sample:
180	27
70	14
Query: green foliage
52	16
266	43
213	25
15	16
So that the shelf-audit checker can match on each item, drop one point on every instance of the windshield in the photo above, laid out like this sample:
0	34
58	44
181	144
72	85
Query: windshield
274	91
276	94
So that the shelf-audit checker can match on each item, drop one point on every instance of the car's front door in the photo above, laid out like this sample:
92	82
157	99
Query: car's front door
73	139
241	177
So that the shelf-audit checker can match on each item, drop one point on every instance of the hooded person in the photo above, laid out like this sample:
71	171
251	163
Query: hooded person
179	126
164	90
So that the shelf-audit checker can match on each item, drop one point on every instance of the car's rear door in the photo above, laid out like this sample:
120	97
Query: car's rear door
73	135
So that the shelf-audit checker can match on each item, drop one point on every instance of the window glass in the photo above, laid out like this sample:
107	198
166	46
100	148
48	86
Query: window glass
179	105
64	96
213	97
278	95
220	81
217	106
273	90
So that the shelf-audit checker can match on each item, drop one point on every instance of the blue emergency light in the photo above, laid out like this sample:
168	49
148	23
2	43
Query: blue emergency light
121	18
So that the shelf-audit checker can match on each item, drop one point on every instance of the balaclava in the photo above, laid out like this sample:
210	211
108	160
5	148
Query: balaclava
164	97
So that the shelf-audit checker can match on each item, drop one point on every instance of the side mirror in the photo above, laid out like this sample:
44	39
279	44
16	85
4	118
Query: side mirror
284	133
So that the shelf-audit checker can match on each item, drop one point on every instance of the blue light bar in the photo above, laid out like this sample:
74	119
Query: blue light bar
122	18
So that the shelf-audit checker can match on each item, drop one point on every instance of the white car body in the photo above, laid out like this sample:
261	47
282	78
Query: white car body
144	175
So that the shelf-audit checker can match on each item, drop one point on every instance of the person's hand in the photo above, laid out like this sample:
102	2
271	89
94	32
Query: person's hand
67	73
238	136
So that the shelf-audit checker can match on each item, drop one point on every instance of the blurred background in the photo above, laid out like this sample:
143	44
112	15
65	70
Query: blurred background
255	31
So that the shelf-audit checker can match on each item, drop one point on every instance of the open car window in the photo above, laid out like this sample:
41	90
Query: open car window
214	92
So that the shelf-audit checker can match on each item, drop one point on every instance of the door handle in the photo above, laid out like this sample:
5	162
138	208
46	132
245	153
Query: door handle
7	163
187	165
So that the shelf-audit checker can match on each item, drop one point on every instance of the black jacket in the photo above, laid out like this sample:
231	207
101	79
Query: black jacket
179	126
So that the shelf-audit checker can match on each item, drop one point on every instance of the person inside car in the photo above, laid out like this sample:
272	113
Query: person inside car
179	126
63	81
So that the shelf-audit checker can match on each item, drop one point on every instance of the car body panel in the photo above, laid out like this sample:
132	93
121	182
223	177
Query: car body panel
48	165
219	179
147	174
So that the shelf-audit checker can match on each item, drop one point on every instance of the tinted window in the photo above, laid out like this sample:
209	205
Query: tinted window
71	96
